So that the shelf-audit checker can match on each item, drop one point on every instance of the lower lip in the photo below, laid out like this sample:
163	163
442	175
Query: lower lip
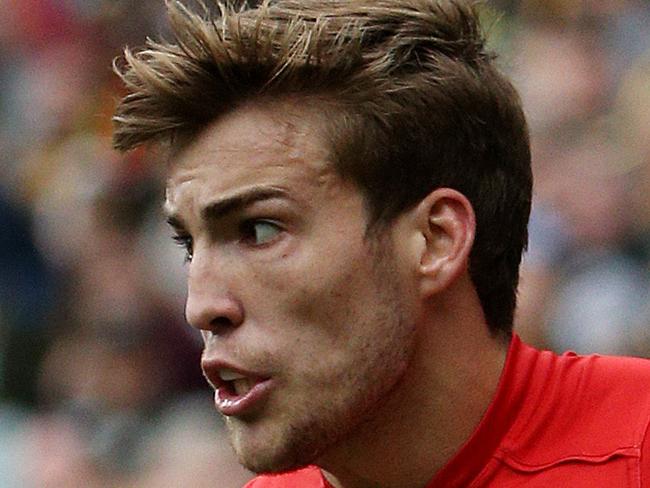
235	405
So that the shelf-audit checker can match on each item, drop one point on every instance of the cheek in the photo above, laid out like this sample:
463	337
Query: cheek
311	303
310	270
323	289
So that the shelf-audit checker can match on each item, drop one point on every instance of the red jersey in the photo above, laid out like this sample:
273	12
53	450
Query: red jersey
578	421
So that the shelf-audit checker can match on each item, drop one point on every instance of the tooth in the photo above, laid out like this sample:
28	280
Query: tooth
243	385
228	375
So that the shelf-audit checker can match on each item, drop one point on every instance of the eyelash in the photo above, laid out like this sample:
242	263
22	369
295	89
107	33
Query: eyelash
186	243
246	231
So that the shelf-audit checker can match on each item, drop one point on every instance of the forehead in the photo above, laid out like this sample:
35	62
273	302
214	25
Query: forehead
264	143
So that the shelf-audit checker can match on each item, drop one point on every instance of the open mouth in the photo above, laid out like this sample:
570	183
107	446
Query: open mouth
237	394
235	384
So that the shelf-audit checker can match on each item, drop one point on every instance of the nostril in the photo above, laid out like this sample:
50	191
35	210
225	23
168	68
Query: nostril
216	314
221	323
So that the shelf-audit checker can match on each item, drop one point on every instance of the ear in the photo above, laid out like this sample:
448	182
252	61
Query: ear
447	222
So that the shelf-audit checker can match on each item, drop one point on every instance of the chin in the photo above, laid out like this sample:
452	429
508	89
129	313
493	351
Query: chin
271	453
263	461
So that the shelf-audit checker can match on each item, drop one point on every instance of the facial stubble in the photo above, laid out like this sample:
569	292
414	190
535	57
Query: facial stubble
315	428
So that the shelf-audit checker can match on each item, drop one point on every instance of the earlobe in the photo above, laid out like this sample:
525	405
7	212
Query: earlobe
448	225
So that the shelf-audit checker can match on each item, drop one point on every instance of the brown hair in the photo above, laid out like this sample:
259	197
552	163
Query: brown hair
417	104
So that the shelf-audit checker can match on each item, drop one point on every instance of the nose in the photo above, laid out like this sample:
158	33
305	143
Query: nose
211	305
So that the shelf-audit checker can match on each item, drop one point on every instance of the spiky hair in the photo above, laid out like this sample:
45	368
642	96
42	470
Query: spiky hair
368	51
412	99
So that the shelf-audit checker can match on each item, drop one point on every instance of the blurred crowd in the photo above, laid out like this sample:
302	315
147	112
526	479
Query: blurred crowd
99	377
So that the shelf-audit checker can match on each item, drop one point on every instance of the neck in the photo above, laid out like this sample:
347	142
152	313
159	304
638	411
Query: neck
449	385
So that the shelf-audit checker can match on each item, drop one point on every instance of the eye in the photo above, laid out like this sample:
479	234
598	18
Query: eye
259	232
185	241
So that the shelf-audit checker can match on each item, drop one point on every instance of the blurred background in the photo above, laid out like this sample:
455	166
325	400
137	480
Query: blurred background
99	377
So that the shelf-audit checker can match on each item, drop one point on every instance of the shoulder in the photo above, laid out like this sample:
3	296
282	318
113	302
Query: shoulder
310	477
583	406
606	384
594	384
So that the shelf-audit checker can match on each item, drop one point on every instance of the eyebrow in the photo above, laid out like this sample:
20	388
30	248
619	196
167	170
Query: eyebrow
220	208
228	205
176	223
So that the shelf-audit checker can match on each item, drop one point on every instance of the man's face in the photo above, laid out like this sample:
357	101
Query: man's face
306	326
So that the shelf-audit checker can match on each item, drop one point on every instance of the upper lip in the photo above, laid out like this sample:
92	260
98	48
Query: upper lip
212	366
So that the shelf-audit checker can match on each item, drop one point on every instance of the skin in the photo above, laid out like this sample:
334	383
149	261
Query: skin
371	342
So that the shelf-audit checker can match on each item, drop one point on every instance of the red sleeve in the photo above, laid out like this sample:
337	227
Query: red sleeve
645	459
